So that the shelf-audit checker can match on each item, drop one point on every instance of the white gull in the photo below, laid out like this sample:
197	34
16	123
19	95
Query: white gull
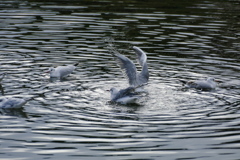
207	84
12	102
61	71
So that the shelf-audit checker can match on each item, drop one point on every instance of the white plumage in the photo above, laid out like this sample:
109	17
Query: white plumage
124	96
61	71
11	102
207	84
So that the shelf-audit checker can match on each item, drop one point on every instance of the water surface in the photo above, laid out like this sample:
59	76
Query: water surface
72	119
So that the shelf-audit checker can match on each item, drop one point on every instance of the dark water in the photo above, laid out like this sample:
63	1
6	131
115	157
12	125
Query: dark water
72	119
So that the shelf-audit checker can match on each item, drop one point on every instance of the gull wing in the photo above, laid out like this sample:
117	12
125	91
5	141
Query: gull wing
142	59
125	92
128	68
12	102
65	70
203	84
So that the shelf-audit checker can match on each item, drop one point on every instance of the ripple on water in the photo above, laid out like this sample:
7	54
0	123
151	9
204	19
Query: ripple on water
73	119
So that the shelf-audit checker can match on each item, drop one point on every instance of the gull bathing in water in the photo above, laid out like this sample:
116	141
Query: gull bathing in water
8	102
207	84
134	78
12	102
124	96
61	71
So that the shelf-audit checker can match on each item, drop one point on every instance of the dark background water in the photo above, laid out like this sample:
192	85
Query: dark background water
72	119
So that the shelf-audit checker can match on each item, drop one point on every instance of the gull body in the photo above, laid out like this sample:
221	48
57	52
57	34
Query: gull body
124	96
11	102
134	78
207	84
61	71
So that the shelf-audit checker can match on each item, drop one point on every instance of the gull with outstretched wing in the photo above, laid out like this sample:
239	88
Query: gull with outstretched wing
134	78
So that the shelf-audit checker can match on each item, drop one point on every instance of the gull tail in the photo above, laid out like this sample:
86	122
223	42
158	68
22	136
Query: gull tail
183	81
31	98
141	85
140	88
76	64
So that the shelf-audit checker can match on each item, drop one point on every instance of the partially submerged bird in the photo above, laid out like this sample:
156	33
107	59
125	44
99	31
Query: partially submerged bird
12	102
61	71
134	78
124	96
207	84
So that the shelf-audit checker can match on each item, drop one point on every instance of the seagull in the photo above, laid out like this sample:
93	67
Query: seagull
207	84
2	75
61	71
11	102
134	78
124	96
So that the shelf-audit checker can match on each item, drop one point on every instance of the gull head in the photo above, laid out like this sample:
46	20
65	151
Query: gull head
113	91
210	79
50	70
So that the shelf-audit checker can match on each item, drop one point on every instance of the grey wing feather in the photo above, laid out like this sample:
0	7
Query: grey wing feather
13	103
66	70
144	75
142	59
128	67
125	92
